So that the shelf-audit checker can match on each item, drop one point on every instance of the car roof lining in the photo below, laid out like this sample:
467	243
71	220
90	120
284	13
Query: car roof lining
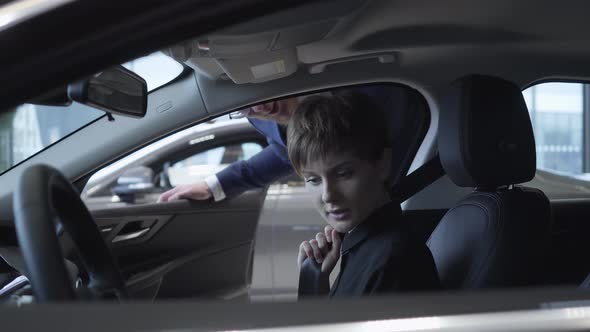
443	39
547	40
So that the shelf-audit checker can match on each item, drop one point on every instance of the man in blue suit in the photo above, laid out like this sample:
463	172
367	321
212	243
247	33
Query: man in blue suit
260	170
270	164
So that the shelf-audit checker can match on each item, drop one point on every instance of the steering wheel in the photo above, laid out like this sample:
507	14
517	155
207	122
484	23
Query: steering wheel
43	199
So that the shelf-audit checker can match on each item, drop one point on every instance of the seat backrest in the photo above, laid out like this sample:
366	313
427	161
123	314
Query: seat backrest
497	236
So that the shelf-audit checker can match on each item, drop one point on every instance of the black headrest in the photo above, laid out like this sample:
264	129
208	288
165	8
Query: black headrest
485	133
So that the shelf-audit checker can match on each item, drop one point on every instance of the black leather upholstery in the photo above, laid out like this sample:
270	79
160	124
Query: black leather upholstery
485	134
493	239
497	236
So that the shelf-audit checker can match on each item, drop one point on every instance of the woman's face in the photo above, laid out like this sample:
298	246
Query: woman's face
279	110
346	189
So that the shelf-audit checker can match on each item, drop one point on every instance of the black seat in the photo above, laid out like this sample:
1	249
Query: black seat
498	235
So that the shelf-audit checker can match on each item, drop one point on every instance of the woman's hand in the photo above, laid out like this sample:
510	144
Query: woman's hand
325	249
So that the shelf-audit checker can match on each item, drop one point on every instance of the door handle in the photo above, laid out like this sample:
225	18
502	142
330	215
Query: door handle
130	236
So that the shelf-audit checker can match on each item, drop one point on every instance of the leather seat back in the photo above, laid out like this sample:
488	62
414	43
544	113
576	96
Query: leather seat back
497	236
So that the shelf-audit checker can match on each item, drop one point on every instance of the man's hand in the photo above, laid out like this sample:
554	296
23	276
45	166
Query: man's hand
325	249
197	191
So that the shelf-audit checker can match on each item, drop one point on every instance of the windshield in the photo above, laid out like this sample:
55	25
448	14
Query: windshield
156	69
29	128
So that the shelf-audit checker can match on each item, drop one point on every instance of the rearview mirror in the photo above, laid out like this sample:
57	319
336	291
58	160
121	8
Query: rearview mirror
115	90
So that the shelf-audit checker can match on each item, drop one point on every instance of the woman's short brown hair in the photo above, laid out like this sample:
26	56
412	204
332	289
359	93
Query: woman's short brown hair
347	121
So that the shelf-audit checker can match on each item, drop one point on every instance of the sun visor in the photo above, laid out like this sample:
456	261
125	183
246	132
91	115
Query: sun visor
233	46
260	67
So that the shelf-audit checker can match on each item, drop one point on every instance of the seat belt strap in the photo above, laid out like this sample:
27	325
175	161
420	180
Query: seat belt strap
419	179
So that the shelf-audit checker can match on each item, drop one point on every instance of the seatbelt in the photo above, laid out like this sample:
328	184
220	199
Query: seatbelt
419	179
309	278
411	184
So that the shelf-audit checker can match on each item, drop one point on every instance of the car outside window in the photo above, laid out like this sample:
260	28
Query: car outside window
209	162
182	158
557	114
560	115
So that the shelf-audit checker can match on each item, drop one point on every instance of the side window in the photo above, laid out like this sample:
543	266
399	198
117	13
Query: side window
557	114
184	157
560	115
209	162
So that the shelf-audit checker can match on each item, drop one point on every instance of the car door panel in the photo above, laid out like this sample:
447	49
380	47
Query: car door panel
187	248
132	229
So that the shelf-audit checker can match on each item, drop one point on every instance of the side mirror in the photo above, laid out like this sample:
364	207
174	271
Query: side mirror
115	90
164	177
134	181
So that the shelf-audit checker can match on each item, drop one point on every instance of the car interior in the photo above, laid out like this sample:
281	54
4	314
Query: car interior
465	168
490	238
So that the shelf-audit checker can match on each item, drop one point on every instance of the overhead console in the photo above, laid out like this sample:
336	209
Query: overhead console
266	48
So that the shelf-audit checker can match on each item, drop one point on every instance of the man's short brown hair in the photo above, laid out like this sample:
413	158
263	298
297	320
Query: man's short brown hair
347	121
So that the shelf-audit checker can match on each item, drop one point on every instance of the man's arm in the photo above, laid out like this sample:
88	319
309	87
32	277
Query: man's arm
260	170
197	191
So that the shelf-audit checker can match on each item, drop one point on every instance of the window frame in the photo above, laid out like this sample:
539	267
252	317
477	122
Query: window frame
398	171
178	153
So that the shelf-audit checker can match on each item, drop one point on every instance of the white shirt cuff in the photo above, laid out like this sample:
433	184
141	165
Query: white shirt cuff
215	187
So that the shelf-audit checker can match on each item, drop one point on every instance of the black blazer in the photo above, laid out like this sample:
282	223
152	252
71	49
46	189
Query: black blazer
381	255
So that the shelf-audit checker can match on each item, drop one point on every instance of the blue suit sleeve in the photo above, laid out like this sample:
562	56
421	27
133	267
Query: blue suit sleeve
260	170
